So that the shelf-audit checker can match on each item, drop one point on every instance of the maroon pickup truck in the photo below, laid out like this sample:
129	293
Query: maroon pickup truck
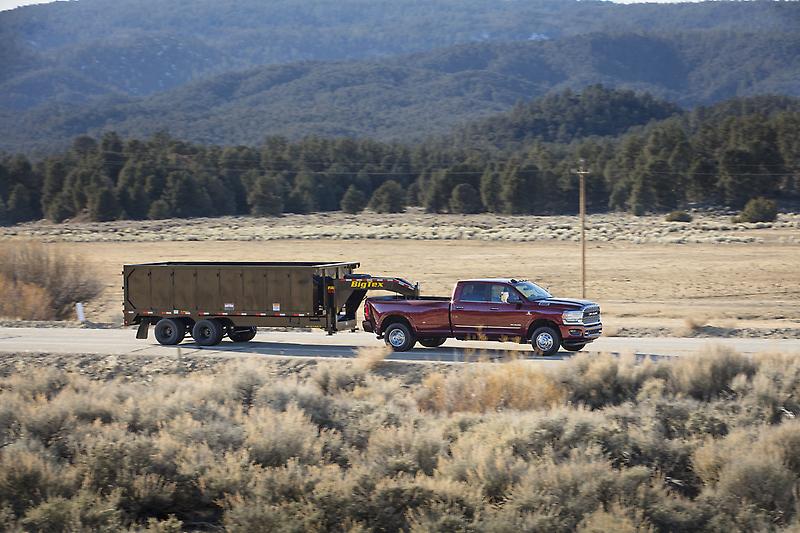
487	309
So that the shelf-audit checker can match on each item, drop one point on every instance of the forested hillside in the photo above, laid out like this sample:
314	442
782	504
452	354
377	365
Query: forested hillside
413	97
725	154
144	46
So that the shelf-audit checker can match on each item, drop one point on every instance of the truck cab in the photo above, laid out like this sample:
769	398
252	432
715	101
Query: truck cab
487	309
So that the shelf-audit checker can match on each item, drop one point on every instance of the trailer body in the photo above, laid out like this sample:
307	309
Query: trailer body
240	295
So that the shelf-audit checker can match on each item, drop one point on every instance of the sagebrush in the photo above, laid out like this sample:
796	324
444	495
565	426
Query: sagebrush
705	443
40	282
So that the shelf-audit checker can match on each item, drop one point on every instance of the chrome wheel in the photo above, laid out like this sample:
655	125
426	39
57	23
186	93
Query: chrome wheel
397	337
544	341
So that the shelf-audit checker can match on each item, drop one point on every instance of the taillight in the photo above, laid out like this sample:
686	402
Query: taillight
366	311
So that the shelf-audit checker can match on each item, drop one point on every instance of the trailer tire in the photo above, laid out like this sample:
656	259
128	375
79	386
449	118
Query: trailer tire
208	332
434	342
545	340
170	331
399	337
242	334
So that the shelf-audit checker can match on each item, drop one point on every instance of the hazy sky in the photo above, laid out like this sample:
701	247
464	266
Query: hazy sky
11	4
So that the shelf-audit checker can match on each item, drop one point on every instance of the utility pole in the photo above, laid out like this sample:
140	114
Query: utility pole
582	172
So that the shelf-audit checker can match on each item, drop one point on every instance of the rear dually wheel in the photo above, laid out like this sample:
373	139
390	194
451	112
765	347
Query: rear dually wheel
399	337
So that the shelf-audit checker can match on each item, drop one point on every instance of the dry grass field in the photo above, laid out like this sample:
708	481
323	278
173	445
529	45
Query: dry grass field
649	275
163	444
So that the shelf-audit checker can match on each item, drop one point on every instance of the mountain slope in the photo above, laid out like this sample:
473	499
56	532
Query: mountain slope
426	93
143	46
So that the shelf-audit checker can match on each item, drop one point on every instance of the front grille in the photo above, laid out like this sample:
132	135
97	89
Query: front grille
591	315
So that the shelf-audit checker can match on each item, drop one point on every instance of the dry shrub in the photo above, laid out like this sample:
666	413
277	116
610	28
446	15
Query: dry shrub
272	437
598	381
617	519
757	486
28	477
691	325
47	276
482	388
84	512
370	357
565	493
707	375
600	443
406	449
24	301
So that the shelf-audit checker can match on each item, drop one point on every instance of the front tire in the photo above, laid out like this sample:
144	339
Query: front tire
242	334
170	331
207	332
545	341
433	343
399	337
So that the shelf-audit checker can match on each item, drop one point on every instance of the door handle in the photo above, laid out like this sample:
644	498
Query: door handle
459	307
494	309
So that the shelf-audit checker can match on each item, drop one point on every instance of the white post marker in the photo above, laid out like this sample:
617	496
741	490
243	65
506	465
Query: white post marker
80	312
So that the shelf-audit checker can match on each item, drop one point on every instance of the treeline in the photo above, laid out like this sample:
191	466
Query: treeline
725	156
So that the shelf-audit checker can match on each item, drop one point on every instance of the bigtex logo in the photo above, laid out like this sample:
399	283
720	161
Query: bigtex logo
366	284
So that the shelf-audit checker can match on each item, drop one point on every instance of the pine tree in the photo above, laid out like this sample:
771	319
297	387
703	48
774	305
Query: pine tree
103	205
2	211
388	198
490	190
265	198
437	193
412	194
465	200
642	196
159	210
354	201
517	189
19	205
58	210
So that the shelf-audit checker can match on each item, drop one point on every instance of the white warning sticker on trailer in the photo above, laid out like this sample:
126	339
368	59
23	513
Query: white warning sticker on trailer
276	306
229	307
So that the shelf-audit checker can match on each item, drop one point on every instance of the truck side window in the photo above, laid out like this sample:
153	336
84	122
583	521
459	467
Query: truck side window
475	292
504	294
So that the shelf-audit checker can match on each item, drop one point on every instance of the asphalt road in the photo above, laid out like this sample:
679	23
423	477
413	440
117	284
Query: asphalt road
318	345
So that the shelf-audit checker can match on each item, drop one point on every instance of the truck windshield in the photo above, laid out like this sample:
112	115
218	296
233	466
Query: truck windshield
532	291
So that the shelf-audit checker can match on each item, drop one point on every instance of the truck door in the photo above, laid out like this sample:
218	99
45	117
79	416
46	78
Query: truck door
487	309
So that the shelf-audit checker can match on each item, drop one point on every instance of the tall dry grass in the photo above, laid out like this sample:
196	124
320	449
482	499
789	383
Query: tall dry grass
40	282
705	443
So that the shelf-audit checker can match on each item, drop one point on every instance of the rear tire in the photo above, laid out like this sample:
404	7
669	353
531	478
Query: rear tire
574	347
545	341
207	332
435	342
170	331
399	337
242	334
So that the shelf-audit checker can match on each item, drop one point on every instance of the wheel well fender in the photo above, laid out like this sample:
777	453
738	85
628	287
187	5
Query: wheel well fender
542	322
391	319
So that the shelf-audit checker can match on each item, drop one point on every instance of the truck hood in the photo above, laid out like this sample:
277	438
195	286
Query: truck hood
566	303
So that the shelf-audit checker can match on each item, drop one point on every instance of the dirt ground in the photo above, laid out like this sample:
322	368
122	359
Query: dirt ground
638	285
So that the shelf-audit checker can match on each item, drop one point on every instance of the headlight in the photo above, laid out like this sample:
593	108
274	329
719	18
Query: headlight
572	317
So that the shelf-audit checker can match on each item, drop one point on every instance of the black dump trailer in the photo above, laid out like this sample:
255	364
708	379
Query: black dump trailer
211	300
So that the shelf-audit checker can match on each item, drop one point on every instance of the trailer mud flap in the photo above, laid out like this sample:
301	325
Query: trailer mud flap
141	333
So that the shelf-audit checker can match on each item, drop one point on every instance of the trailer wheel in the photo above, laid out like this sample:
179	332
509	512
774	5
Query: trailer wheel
170	331
207	332
545	340
399	337
242	334
435	342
